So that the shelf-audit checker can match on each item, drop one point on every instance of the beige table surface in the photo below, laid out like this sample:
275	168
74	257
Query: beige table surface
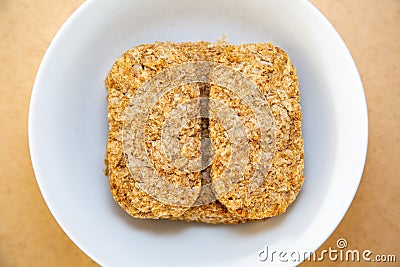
29	235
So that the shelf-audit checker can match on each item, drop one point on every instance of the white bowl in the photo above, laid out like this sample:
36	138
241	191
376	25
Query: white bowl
68	129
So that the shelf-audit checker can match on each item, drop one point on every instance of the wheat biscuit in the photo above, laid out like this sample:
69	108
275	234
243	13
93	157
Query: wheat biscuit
207	132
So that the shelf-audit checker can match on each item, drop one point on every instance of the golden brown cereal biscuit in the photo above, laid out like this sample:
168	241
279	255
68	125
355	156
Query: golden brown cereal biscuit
206	132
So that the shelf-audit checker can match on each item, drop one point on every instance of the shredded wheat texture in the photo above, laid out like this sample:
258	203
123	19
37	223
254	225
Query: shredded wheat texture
271	70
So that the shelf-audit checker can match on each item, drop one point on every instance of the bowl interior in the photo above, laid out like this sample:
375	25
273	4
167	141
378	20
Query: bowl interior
68	129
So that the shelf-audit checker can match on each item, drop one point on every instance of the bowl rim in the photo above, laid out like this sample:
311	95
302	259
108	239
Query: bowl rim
33	104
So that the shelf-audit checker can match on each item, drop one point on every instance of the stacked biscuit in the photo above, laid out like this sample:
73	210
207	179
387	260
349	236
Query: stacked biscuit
204	192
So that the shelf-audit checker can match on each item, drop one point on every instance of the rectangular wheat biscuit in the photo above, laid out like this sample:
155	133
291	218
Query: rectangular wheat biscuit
137	78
